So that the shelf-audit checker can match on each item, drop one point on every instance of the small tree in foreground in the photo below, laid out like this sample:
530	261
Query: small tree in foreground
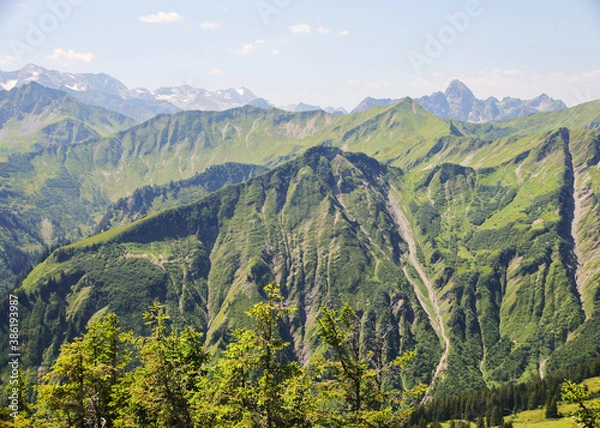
80	387
252	384
587	415
359	378
171	363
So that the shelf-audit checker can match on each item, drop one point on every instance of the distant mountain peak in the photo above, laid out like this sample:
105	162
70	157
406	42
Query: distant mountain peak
459	102
371	102
458	88
336	110
458	84
141	104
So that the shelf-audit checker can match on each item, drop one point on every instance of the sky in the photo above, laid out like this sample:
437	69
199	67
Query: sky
323	52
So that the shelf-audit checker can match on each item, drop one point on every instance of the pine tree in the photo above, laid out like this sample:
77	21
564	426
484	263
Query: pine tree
480	422
79	389
552	408
252	384
496	417
357	376
159	391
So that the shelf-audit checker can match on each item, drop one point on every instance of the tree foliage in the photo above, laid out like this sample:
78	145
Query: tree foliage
108	378
587	415
80	389
358	375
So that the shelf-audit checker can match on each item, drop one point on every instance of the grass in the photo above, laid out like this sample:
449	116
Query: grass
536	418
307	242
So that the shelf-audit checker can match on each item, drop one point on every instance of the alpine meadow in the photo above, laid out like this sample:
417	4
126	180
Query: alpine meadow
190	257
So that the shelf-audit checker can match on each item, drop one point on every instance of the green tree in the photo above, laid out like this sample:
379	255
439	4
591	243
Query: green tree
495	418
159	392
480	423
252	385
79	389
552	408
587	414
359	378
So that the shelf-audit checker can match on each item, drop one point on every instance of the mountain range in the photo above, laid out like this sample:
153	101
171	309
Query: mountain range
36	117
139	104
474	245
458	102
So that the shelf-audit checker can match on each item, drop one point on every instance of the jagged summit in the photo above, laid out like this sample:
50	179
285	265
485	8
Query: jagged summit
459	102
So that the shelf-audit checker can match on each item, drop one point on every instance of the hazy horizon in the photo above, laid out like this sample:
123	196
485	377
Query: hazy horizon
316	52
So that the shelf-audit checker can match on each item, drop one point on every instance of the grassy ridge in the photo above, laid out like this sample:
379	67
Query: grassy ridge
501	214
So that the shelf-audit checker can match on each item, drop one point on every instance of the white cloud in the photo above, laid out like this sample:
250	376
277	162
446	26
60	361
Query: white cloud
209	25
247	49
344	33
8	60
161	17
300	29
69	57
352	82
323	30
275	51
216	71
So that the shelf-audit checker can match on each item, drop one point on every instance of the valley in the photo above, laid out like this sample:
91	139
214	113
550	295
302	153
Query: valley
472	243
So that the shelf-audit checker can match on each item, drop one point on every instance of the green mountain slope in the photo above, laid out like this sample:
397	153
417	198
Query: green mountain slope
488	234
61	192
33	117
33	218
71	186
484	258
150	199
319	225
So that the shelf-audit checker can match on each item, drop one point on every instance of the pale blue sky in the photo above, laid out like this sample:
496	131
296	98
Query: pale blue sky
326	52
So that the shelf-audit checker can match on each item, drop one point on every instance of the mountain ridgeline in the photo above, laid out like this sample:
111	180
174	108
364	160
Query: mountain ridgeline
35	117
473	244
61	192
149	199
319	225
459	102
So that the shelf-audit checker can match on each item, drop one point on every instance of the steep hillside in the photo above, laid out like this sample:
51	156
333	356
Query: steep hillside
62	192
488	231
474	267
39	211
71	186
33	117
149	199
319	225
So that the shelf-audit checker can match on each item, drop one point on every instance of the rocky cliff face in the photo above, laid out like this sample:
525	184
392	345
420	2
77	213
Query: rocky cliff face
459	102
